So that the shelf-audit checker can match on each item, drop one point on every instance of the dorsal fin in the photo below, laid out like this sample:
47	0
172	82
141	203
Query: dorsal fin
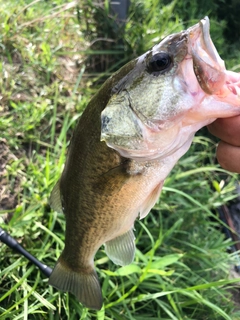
55	198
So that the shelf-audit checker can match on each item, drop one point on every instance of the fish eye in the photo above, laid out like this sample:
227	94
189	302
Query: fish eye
159	63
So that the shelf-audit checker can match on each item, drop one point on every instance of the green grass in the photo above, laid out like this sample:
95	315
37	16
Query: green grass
182	264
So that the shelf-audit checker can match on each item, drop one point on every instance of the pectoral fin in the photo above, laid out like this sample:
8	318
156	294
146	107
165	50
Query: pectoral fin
121	250
150	201
55	198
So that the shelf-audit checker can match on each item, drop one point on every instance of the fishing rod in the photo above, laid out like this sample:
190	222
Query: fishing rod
13	244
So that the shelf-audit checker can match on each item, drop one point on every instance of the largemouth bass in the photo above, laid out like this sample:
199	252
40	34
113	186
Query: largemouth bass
127	140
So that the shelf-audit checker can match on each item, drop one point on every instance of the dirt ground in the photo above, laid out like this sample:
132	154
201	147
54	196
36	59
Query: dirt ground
8	192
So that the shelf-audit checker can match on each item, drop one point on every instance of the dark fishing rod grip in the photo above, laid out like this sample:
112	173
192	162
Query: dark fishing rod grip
7	239
13	244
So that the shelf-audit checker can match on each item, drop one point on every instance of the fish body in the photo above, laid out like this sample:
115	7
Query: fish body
128	139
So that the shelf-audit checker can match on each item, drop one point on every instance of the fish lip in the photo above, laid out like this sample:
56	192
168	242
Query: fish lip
207	65
199	34
205	27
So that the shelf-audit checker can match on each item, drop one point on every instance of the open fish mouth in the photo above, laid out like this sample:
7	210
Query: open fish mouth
209	68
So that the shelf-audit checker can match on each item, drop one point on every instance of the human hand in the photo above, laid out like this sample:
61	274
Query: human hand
228	150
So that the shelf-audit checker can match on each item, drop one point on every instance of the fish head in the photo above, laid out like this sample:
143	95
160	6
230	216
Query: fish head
169	93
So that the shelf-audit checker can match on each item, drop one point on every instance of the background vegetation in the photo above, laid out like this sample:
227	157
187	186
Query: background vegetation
54	56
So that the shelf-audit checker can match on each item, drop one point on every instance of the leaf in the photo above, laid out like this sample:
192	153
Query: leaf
125	271
160	272
216	186
165	261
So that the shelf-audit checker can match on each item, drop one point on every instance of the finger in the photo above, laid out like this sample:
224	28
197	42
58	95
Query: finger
228	156
227	130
